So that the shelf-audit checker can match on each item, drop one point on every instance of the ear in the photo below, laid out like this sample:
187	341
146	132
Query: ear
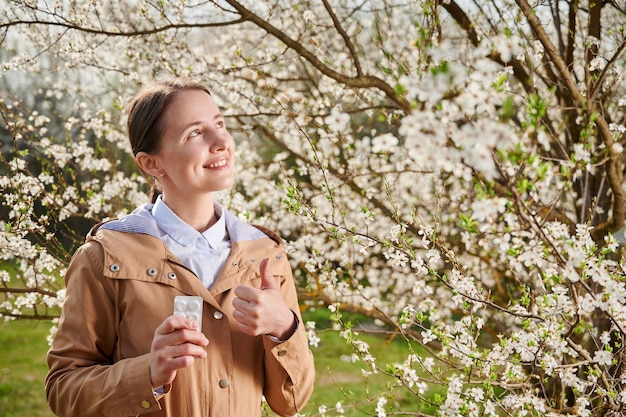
148	164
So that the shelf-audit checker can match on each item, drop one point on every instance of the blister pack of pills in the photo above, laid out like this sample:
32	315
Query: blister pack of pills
190	307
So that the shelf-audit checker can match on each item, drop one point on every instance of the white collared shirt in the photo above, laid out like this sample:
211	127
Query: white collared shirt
203	253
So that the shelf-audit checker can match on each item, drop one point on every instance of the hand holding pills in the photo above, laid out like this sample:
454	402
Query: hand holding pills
177	342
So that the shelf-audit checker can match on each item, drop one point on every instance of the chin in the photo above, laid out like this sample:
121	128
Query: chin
226	187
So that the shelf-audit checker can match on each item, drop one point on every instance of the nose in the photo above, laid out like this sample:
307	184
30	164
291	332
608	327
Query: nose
219	147
220	143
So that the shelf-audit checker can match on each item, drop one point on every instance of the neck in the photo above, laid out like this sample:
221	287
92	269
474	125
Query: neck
197	211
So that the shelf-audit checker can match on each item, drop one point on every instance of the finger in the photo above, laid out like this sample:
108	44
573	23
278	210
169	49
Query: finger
249	329
179	362
242	305
193	337
187	349
179	338
247	293
240	317
247	312
267	278
173	323
168	360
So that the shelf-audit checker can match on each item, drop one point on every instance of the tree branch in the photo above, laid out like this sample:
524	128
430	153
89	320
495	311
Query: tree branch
613	169
346	38
129	34
602	77
571	31
34	316
22	290
468	26
360	81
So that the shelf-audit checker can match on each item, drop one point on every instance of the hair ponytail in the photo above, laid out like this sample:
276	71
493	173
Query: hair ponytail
155	192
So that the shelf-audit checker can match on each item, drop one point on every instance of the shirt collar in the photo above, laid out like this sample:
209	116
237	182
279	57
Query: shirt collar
184	234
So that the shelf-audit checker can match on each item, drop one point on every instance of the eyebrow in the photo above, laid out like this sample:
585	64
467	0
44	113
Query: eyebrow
199	122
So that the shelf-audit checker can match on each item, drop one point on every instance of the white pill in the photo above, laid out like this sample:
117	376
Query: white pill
190	307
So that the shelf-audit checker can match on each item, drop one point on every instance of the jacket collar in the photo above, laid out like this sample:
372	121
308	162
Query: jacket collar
142	221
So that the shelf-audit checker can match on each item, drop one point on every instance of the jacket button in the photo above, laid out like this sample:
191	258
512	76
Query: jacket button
224	383
171	275
217	315
115	267
145	404
152	272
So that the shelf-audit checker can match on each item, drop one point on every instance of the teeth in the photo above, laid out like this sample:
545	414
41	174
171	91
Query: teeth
218	164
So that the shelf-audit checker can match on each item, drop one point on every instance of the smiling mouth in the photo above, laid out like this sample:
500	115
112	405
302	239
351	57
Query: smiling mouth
218	164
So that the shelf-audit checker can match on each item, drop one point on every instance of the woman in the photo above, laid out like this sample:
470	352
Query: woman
119	350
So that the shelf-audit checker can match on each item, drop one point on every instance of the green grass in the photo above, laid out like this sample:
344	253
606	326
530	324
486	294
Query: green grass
23	348
341	380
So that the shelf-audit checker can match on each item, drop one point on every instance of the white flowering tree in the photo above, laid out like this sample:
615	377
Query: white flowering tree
451	169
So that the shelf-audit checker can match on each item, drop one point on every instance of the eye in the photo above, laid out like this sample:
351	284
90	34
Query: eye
194	133
220	124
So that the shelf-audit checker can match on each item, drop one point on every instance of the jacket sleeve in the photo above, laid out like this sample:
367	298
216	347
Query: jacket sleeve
289	366
84	378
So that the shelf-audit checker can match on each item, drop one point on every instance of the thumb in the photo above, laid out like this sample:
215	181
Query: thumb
267	278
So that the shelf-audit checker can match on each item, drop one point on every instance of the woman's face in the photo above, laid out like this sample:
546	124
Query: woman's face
196	152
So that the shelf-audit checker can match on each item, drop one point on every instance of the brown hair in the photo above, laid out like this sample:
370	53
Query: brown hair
145	113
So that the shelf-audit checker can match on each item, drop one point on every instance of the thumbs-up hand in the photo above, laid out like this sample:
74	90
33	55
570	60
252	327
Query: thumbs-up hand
267	278
263	310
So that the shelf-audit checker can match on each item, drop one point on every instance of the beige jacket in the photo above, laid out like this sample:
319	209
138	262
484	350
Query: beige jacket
121	286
